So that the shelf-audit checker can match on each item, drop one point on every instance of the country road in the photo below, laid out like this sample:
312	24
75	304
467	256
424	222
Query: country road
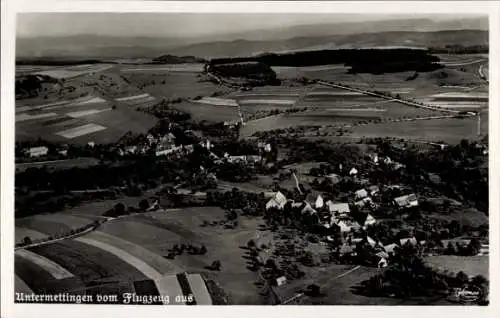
387	97
464	63
323	285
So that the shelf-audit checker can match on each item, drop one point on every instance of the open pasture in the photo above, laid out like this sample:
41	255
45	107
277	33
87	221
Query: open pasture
39	280
49	225
170	68
167	85
80	121
74	71
448	130
471	265
214	113
159	231
88	262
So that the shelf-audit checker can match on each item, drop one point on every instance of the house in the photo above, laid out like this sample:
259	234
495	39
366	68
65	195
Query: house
131	149
164	152
236	159
206	144
334	178
370	220
484	250
254	158
150	139
397	166
364	202
373	190
278	201
308	209
91	144
371	241
341	208
406	201
280	281
353	172
374	157
390	248
408	240
360	194
38	151
346	250
382	259
63	152
347	226
319	202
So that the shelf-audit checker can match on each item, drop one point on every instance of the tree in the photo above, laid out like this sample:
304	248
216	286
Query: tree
119	209
203	250
216	265
251	243
143	205
451	249
479	280
474	246
462	278
27	240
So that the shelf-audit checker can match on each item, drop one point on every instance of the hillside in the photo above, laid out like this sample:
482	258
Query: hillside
94	46
394	39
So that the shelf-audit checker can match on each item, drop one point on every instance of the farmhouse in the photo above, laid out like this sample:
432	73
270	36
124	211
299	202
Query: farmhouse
373	190
390	248
38	151
408	240
360	194
341	208
308	209
131	149
280	281
364	202
353	172
334	178
278	201
406	201
382	259
370	220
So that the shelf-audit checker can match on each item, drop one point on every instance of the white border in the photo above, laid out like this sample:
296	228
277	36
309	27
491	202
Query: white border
404	7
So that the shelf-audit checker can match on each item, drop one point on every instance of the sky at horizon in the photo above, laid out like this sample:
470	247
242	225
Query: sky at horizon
183	25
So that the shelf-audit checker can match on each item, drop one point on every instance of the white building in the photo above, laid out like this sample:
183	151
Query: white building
370	220
361	194
278	201
406	201
373	190
91	144
38	151
319	202
353	172
341	208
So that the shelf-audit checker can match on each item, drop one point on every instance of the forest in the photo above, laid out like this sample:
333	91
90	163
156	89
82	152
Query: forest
359	60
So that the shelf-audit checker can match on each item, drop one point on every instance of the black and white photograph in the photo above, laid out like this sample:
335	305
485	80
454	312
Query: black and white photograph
212	158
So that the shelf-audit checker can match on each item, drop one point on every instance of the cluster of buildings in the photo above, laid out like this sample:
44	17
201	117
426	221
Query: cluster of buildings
352	215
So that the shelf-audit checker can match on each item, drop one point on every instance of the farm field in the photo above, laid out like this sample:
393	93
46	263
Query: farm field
45	225
74	71
447	130
214	113
164	84
81	122
159	231
81	162
471	265
174	68
88	262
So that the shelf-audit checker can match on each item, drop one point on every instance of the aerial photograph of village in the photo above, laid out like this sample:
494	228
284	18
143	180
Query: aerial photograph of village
251	159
